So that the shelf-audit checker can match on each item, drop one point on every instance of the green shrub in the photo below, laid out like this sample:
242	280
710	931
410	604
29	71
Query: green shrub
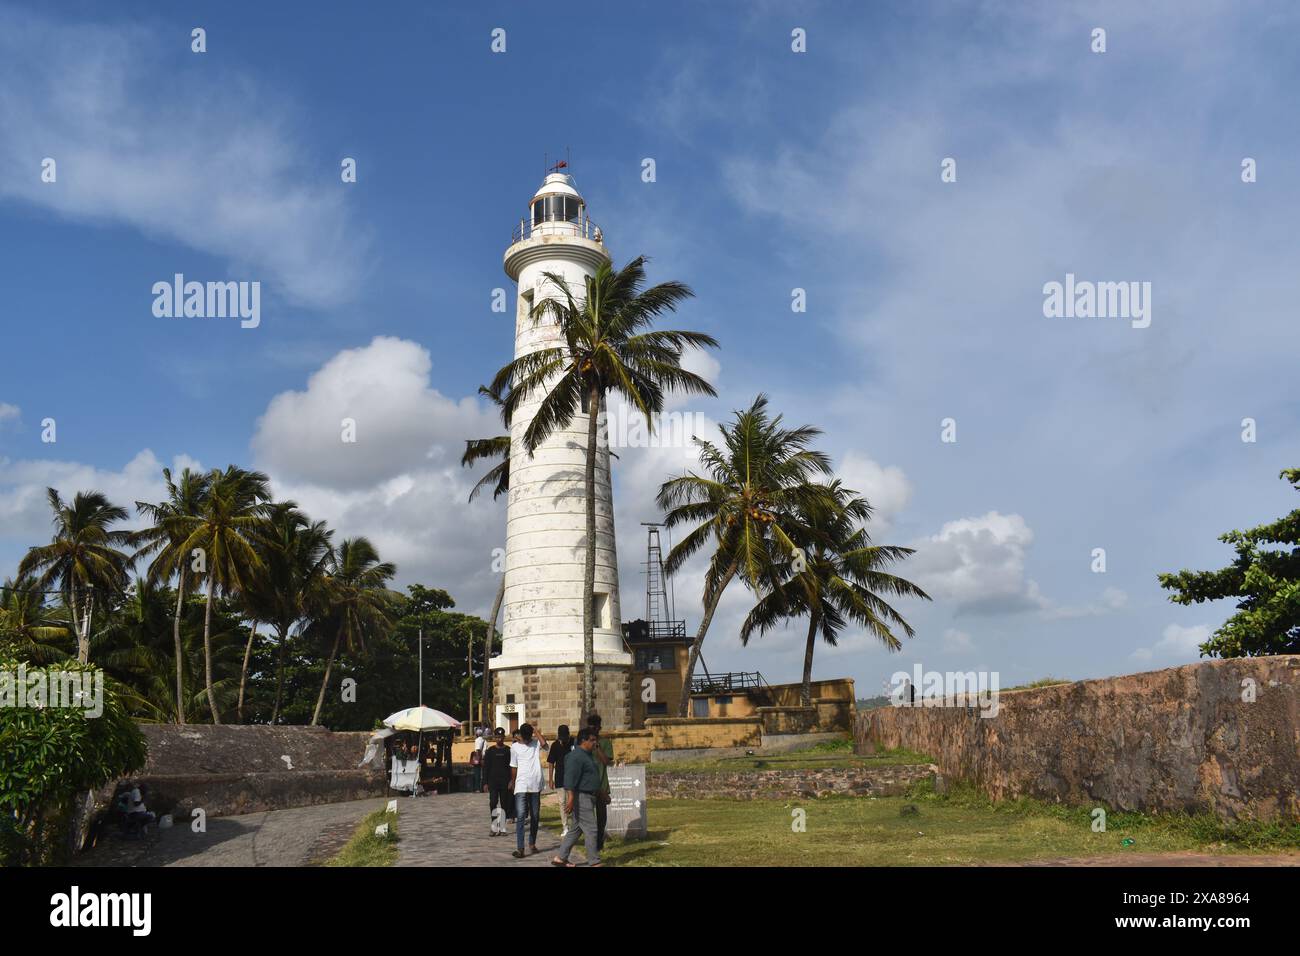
51	755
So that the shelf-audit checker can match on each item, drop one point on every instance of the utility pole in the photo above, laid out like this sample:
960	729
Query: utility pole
488	644
421	640
469	673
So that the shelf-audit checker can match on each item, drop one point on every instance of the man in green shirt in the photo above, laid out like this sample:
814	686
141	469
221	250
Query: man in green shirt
581	789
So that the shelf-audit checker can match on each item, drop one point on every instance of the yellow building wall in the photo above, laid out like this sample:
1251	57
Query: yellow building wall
685	733
668	684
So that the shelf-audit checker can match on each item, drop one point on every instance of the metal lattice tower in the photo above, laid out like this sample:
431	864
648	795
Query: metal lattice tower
660	614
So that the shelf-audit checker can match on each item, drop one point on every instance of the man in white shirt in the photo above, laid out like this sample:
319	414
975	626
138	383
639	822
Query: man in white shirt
526	781
476	758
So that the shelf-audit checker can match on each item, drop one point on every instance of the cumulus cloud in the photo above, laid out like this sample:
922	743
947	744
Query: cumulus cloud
203	158
978	564
9	413
402	422
886	489
400	483
420	520
25	517
1177	642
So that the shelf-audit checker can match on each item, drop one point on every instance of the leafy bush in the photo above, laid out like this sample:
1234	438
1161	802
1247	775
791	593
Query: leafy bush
51	755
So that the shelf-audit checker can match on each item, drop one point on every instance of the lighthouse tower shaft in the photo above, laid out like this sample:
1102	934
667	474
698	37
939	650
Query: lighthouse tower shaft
538	676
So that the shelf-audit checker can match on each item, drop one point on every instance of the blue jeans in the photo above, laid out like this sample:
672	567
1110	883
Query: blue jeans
530	805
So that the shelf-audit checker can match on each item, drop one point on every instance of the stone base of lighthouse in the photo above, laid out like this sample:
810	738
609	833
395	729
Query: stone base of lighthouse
548	695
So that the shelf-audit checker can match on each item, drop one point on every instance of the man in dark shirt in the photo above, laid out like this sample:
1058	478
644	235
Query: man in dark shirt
496	770
555	757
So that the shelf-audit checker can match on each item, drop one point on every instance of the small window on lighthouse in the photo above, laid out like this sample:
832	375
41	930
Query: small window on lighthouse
600	610
539	211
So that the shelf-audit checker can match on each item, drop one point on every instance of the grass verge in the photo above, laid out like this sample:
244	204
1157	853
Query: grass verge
365	848
961	828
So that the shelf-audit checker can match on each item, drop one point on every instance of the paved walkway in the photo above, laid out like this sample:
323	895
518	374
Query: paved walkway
445	830
453	830
299	836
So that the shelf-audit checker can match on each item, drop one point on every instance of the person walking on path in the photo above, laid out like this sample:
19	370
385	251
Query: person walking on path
603	754
496	768
555	757
476	758
581	783
526	781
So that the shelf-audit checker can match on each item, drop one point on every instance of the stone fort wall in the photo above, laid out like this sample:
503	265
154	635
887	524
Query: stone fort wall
1183	739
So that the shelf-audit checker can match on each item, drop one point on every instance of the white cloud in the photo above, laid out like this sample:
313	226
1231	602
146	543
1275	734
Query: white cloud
9	413
1177	641
886	488
401	483
978	564
403	424
703	363
202	155
25	517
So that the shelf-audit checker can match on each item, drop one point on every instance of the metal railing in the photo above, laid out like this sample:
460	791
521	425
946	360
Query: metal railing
666	631
638	632
582	228
727	683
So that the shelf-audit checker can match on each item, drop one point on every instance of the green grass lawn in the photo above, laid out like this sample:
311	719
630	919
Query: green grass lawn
961	828
366	849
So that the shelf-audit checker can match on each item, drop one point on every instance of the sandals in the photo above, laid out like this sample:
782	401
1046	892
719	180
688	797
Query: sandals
556	861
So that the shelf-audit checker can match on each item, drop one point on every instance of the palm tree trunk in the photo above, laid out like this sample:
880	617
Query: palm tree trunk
710	605
320	699
176	640
805	695
491	643
207	652
74	612
83	645
243	674
589	567
283	636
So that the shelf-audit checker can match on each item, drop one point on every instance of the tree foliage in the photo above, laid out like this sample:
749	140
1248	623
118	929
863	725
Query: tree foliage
1265	581
50	755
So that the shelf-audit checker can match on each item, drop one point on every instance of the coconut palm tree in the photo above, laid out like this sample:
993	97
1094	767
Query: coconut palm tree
835	577
30	627
356	600
131	648
609	346
227	530
82	559
165	535
747	505
294	553
491	449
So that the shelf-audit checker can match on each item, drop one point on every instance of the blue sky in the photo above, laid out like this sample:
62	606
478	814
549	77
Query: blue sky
775	171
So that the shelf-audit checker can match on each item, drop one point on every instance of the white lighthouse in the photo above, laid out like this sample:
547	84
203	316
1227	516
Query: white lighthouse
537	678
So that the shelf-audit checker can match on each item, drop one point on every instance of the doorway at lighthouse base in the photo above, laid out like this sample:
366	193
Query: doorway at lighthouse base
547	696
